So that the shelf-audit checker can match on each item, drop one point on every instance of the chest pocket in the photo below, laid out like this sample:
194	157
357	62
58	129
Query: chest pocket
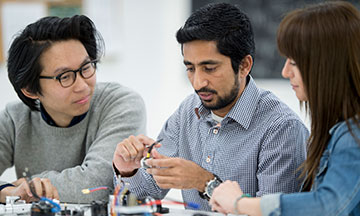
324	161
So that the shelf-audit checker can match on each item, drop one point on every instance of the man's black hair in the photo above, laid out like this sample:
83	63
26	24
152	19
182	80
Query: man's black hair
225	24
24	55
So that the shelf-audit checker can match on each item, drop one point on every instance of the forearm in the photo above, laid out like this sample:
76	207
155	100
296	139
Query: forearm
71	181
248	206
204	178
5	191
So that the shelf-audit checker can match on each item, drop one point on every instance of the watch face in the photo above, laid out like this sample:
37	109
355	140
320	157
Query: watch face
211	186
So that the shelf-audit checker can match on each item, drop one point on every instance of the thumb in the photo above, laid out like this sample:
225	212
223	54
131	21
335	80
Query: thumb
156	155
18	181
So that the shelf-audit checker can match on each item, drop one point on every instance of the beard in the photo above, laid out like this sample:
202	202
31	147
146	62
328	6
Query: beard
222	101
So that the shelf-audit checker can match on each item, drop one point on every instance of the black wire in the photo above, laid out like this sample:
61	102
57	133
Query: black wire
152	145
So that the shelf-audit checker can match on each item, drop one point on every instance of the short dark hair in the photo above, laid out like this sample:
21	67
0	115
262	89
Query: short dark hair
23	63
225	24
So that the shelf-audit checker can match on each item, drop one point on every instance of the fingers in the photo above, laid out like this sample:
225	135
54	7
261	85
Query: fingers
148	141
144	139
216	206
130	149
56	194
36	186
159	160
26	189
135	148
48	188
19	181
161	171
165	182
43	187
157	155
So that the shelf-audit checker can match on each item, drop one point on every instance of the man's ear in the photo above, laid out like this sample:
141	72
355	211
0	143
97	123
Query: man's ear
29	94
245	66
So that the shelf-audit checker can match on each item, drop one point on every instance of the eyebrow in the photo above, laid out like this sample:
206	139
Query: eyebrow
64	69
206	62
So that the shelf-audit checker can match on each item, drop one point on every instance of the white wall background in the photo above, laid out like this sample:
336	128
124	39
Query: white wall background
141	53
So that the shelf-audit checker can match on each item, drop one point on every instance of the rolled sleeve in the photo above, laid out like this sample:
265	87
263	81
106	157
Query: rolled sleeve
270	204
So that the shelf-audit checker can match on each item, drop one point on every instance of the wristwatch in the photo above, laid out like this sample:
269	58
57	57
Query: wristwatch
210	186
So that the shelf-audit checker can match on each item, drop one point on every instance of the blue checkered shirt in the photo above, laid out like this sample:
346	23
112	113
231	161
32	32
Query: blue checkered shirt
260	144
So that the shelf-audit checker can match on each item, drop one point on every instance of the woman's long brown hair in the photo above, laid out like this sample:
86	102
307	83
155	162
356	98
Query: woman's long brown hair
324	41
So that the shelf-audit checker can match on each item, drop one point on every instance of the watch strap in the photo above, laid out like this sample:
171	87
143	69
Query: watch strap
204	195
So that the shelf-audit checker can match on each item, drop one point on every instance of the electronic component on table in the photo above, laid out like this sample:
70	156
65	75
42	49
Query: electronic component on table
130	205
42	208
65	211
148	155
14	206
78	212
99	208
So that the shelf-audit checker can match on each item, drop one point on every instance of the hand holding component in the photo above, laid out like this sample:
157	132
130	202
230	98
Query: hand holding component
129	152
177	172
148	155
30	191
224	196
42	187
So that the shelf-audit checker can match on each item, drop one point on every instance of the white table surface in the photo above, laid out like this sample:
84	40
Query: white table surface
87	210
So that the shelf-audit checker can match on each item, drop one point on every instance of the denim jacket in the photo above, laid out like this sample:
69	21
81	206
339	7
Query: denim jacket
336	189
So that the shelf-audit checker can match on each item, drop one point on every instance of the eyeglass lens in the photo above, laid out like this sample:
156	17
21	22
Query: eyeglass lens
86	71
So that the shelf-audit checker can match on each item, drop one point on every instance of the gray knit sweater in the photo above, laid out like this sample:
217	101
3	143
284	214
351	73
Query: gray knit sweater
77	157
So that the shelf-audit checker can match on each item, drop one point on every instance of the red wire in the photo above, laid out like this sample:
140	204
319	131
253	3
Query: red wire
99	188
158	202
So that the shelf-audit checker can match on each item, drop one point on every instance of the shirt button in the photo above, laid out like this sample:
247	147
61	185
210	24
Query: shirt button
208	160
216	131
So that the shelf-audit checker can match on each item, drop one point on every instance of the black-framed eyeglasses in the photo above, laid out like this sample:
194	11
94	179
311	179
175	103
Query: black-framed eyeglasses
68	78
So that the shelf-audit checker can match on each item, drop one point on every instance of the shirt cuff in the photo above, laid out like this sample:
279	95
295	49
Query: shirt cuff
5	186
118	178
270	204
136	179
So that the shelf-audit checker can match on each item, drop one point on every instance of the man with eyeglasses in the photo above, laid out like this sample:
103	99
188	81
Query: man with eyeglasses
63	134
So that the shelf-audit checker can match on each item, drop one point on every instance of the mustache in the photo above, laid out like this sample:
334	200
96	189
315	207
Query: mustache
204	90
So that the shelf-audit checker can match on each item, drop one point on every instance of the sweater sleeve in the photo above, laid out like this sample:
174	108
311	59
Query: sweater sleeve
116	114
6	142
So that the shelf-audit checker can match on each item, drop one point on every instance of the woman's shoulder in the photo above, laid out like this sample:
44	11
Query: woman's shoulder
345	134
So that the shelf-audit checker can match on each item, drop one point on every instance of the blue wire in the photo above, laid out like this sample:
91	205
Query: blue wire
56	207
193	205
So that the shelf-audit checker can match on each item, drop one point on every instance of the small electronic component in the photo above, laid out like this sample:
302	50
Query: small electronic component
78	212
65	211
148	155
14	206
42	208
99	208
90	190
143	164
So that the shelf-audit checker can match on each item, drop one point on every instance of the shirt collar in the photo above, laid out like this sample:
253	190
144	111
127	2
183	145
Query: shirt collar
333	128
341	122
47	118
244	108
